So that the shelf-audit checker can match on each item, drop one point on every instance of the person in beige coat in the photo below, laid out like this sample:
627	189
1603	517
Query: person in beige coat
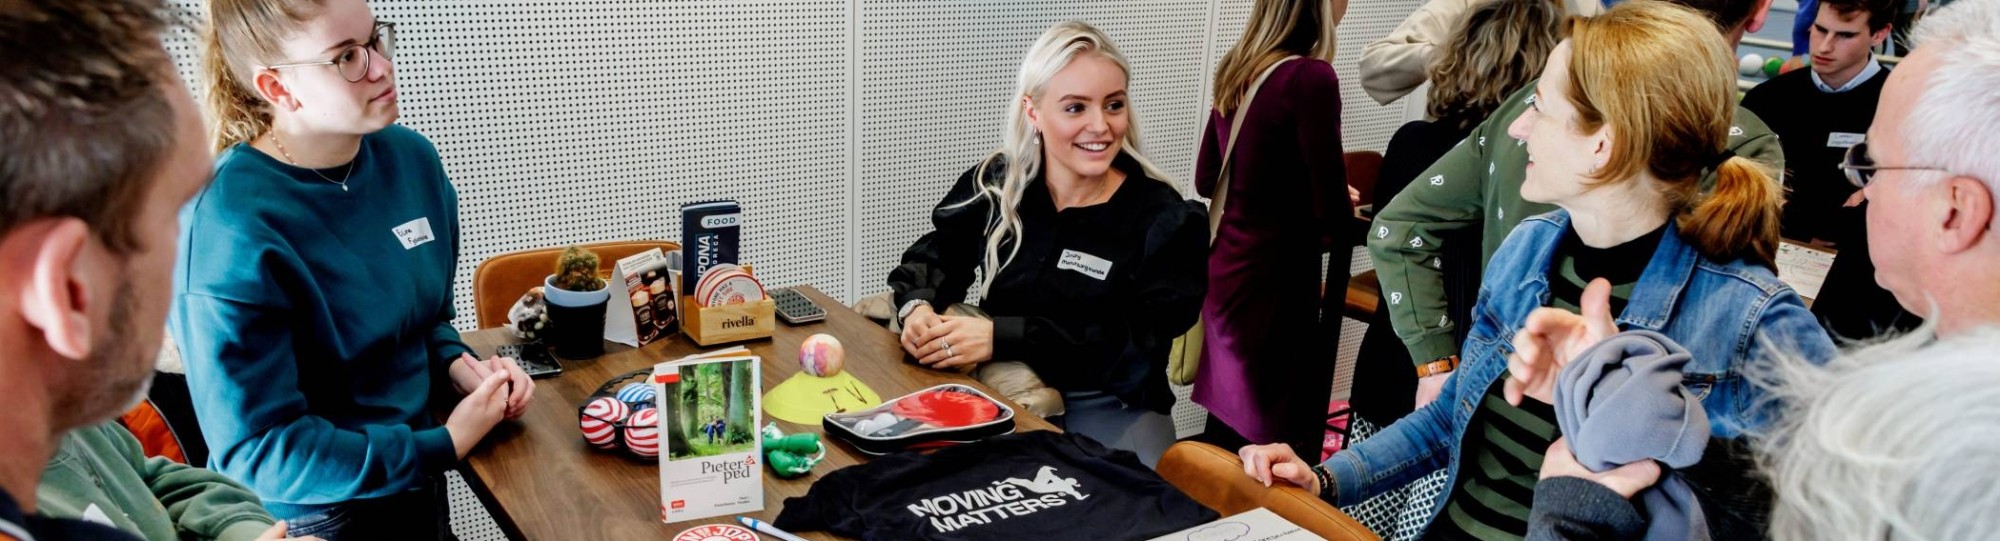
1394	65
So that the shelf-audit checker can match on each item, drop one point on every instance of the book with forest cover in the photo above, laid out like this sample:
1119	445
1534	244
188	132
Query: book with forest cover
709	409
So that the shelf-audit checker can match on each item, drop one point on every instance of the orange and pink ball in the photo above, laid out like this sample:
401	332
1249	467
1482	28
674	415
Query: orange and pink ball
822	355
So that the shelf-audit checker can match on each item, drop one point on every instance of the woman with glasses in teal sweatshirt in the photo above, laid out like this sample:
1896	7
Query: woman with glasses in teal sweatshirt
313	296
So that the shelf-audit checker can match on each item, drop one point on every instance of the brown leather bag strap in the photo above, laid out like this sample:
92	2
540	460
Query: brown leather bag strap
1216	204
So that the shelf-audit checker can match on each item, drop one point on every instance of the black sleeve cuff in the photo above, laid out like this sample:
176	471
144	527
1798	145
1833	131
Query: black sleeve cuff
1010	338
1578	508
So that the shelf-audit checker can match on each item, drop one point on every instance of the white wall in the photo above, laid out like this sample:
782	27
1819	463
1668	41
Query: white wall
837	123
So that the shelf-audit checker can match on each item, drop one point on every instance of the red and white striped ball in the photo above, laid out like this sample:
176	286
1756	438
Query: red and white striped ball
642	433
598	420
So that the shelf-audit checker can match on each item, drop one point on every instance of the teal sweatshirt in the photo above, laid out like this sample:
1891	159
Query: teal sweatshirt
101	474
316	321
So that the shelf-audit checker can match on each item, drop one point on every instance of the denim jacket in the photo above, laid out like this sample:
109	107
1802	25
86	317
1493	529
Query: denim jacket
1727	314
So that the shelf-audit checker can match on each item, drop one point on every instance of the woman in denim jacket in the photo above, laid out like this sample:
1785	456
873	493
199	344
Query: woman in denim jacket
1632	108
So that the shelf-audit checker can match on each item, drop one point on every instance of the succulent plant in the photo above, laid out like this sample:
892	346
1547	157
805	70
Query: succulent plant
576	270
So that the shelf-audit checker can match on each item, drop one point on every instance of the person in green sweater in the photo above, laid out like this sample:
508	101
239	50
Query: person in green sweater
100	474
1478	185
313	296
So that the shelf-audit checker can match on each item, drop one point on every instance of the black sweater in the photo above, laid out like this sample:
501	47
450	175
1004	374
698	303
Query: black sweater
1806	120
1096	294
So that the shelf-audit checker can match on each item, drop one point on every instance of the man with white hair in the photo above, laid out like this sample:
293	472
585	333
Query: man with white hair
1852	455
1931	167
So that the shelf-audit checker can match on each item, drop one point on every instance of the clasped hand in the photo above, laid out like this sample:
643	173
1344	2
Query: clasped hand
947	341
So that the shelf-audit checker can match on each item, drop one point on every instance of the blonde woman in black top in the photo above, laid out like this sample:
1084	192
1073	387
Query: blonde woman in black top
1087	260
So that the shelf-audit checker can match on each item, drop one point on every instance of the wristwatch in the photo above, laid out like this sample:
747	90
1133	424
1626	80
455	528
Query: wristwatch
908	307
1440	366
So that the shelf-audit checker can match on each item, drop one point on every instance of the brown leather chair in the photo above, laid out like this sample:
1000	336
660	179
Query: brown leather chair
1214	477
1363	169
500	280
1364	293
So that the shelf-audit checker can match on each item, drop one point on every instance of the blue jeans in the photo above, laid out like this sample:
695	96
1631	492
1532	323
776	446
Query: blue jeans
1116	424
419	514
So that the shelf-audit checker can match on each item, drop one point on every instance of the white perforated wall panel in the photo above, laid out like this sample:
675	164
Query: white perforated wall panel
568	122
935	82
1367	125
837	123
574	122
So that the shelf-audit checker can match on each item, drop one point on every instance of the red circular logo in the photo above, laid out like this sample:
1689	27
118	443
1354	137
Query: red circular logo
716	532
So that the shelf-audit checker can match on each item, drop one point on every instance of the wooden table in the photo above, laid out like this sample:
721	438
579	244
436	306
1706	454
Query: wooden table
543	482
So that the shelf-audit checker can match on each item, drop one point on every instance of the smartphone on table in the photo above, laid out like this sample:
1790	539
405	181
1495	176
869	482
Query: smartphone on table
535	359
795	309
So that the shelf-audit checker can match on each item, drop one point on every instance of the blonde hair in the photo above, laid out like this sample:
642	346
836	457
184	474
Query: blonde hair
1277	29
1020	154
1658	75
1498	49
242	35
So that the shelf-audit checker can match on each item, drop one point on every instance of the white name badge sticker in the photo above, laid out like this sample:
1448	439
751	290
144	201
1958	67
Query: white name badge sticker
1089	265
1844	139
415	233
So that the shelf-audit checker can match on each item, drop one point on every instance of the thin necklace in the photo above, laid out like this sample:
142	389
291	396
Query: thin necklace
1102	186
295	163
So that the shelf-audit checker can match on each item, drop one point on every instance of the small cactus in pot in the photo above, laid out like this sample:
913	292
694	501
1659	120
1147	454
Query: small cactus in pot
577	300
576	270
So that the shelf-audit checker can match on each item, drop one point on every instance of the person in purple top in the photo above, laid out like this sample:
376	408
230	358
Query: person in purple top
1285	202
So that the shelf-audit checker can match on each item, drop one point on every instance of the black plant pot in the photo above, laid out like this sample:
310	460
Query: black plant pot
577	332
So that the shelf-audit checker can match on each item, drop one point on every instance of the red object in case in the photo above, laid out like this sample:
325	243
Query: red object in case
947	408
933	417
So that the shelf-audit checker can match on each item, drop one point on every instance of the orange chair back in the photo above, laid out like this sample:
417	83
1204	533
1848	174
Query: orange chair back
149	426
502	279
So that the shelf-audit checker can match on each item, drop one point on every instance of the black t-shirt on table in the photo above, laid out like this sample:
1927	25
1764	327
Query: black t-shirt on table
1034	485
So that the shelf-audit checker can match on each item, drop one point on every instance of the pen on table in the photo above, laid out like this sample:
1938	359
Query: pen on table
768	529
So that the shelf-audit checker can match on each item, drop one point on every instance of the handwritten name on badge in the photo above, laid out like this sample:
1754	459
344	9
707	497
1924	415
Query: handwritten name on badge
414	233
1089	265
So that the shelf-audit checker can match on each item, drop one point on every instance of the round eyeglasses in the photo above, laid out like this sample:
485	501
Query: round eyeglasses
1860	168
354	61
